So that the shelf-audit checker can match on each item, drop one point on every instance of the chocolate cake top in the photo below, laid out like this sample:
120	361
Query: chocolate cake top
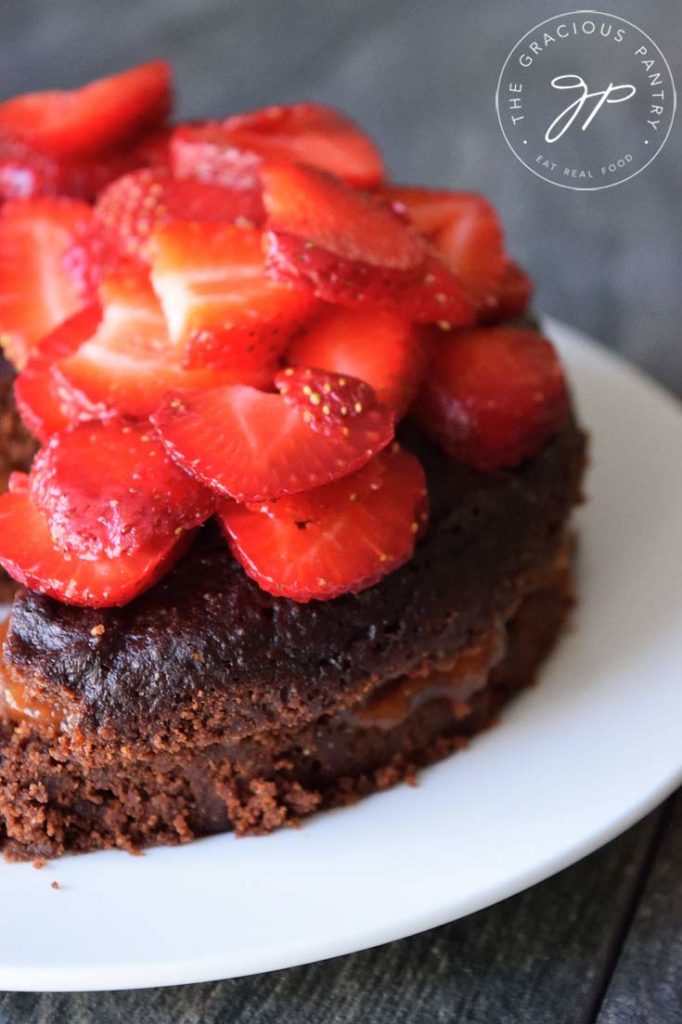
208	646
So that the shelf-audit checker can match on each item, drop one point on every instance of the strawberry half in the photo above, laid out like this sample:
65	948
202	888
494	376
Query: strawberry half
203	152
352	248
43	405
101	116
37	290
221	308
376	345
251	445
230	152
26	172
135	206
512	296
493	396
132	495
466	230
342	537
30	556
312	134
129	364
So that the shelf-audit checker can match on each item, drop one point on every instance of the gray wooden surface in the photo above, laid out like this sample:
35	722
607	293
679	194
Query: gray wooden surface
602	941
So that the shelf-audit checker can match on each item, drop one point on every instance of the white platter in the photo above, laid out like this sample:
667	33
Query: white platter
575	761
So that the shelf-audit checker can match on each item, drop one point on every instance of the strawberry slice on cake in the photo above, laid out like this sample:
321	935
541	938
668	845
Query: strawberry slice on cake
231	152
37	288
251	445
130	362
338	538
221	308
100	116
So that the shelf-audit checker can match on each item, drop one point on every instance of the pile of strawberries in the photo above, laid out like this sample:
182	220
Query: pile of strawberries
228	319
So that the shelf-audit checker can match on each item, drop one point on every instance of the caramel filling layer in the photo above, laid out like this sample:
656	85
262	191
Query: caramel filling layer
15	702
468	672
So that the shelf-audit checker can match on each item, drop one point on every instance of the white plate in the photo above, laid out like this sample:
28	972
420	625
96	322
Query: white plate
575	761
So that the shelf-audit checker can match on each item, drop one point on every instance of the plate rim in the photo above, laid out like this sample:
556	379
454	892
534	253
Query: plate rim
224	965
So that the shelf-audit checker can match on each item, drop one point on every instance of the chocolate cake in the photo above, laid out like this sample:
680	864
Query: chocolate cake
207	704
298	522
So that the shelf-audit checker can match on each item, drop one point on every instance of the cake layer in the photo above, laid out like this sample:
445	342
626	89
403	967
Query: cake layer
57	794
207	655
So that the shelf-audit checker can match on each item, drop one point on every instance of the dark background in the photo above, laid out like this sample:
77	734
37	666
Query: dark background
603	939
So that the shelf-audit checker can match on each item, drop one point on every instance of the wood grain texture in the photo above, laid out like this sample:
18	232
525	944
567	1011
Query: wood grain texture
646	986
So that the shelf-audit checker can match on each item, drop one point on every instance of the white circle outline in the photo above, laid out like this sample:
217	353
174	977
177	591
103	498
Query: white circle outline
560	184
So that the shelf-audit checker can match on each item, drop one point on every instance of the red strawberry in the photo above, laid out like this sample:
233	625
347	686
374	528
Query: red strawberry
230	153
220	307
352	248
152	150
37	291
251	445
375	345
344	536
466	231
93	255
31	557
203	152
26	172
512	296
110	488
135	206
311	134
130	363
42	404
99	117
493	396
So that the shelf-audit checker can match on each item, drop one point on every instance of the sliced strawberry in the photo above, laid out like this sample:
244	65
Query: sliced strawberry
352	248
376	345
37	291
512	297
152	149
354	227
26	173
230	152
493	396
431	295
312	134
130	363
94	254
220	307
41	402
466	231
344	536
31	557
135	206
110	488
99	117
203	152
305	506
251	445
